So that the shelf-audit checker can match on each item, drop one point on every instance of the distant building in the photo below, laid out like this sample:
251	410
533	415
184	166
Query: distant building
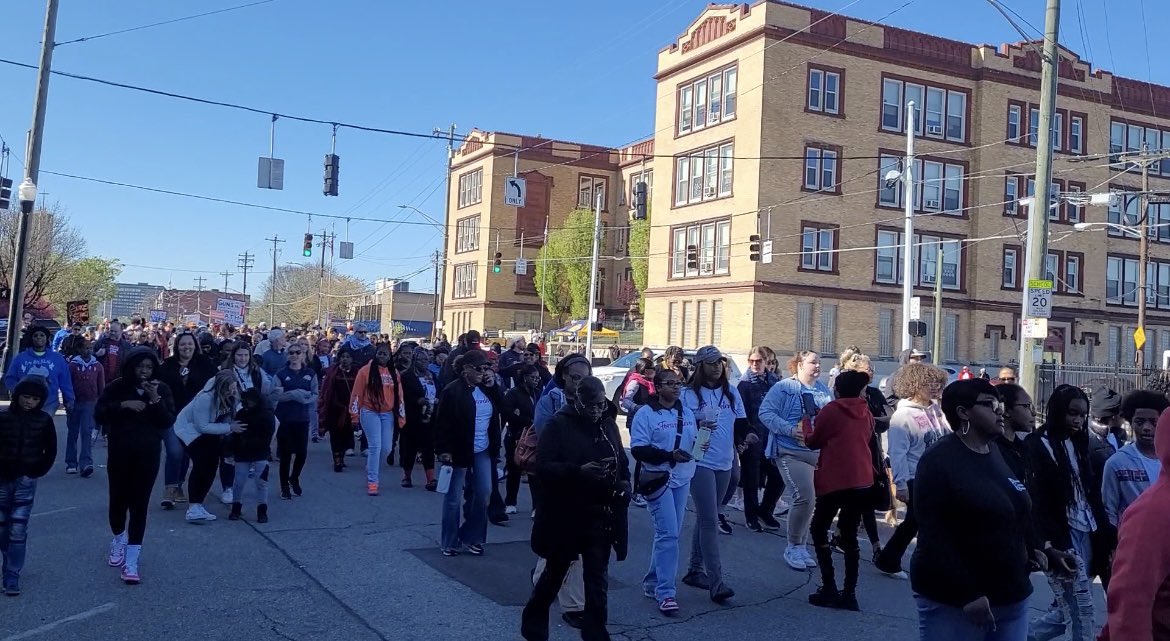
181	304
129	299
393	304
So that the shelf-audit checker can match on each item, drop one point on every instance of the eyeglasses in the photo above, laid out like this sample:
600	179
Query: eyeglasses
753	361
994	404
484	368
1008	379
669	384
295	352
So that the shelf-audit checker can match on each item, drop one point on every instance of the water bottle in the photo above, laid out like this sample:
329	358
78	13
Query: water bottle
445	473
701	440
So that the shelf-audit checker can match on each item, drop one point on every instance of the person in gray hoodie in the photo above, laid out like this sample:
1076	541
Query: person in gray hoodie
1135	466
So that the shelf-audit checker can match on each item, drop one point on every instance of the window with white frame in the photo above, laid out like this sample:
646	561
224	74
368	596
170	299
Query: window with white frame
1072	273
707	101
1124	211
824	90
1121	280
940	112
467	234
818	248
821	171
589	188
705	174
471	188
888	259
712	242
1011	265
465	276
642	176
1014	122
1129	137
938	184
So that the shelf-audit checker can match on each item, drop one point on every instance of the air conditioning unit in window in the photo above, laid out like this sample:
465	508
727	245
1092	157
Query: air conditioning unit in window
932	203
934	130
928	278
709	192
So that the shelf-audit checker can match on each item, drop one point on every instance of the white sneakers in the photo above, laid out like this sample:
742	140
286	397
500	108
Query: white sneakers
118	550
197	513
228	497
511	509
130	567
798	558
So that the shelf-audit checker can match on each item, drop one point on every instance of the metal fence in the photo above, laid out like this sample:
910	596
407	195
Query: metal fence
1089	376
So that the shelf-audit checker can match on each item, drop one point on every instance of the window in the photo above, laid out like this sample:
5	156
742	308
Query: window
818	247
824	90
1074	213
467	234
1072	273
888	259
673	329
687	317
1076	135
1123	210
885	332
950	342
942	111
1011	264
589	188
820	169
702	175
1015	114
994	336
1011	196
804	321
1057	129
1033	125
712	240
702	328
465	280
646	177
471	188
1121	281
707	101
828	328
716	322
1018	186
939	185
1129	137
1052	268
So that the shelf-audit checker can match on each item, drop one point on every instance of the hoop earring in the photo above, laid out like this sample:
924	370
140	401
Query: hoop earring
966	427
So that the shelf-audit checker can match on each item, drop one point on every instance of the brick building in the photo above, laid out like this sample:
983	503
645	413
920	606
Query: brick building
179	303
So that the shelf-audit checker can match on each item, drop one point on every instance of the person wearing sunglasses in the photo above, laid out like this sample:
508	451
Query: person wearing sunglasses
296	402
1019	420
1007	376
376	405
465	440
970	570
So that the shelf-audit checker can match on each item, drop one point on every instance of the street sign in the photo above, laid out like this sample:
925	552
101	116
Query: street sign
521	266
766	253
1139	338
270	173
515	191
1040	299
916	308
1035	328
346	250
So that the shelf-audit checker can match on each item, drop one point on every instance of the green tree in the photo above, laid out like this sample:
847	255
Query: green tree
640	257
551	283
566	257
89	279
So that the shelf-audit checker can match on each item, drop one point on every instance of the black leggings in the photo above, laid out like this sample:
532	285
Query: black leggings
849	504
292	439
416	440
890	560
512	482
204	452
341	438
758	470
131	473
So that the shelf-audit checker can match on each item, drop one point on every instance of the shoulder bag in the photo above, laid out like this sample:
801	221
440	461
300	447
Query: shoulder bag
651	484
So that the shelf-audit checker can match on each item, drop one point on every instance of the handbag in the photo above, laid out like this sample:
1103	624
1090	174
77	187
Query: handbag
651	484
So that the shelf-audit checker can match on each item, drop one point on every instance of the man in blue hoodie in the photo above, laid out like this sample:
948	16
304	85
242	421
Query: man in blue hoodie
39	360
1135	466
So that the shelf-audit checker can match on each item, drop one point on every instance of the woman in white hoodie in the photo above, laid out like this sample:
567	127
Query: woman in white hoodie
201	426
916	424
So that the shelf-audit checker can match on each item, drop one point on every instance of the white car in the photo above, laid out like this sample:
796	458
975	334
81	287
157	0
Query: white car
613	374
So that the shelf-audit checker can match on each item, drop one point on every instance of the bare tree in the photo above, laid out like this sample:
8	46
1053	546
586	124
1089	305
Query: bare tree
295	294
54	247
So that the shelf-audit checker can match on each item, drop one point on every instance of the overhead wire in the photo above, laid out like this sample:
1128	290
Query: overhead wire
164	22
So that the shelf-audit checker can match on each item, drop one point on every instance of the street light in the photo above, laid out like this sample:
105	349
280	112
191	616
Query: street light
440	272
27	193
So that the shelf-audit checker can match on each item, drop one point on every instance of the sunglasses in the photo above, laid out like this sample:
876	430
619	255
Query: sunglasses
669	384
995	405
1009	379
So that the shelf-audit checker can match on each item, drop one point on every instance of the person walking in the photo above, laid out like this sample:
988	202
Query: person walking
38	360
789	411
202	426
250	448
417	439
756	469
88	378
376	405
843	481
582	498
335	419
1136	466
969	571
517	409
186	374
662	437
137	410
249	376
465	441
917	423
719	410
296	401
28	448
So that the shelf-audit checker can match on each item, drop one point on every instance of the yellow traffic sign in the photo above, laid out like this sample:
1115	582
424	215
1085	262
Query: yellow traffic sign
1139	338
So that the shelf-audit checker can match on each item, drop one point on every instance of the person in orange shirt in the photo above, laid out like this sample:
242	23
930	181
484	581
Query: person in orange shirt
376	403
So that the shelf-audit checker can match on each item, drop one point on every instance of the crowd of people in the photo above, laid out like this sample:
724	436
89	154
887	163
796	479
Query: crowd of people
992	494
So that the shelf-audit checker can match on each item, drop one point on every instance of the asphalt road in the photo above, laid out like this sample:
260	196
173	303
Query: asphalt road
337	564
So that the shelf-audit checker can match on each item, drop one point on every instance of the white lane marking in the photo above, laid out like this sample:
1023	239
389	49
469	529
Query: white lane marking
80	616
57	511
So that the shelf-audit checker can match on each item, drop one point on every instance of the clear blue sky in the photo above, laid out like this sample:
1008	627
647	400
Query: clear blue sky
549	67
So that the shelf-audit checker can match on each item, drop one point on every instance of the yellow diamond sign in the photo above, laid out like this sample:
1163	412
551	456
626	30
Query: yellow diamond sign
1139	338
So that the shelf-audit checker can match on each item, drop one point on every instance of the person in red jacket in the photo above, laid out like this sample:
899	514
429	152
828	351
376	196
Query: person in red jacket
1139	591
842	480
89	379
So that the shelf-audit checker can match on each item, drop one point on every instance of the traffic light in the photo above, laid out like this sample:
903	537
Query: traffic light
5	194
917	328
754	248
332	166
640	201
308	250
496	264
692	257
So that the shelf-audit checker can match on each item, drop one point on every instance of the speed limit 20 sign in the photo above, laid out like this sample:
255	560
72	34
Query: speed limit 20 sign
1040	299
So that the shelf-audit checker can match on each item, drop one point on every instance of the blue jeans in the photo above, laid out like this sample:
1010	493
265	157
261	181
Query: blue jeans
939	622
668	512
1073	610
81	425
379	430
473	531
177	459
16	501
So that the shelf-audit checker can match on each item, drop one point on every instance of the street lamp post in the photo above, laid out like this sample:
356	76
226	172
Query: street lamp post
440	271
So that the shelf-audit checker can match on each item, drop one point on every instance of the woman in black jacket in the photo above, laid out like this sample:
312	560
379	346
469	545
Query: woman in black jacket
137	410
185	374
465	440
1067	508
581	503
416	439
517	411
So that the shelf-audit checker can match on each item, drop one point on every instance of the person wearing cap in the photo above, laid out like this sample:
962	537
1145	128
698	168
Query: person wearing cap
358	344
719	409
39	360
466	441
467	342
28	447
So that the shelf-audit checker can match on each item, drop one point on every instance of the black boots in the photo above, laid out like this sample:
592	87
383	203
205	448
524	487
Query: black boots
262	513
237	507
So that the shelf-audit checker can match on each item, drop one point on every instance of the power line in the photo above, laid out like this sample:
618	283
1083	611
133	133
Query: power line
159	24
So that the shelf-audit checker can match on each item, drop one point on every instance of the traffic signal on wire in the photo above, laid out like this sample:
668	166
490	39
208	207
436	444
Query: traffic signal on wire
496	264
692	257
754	248
308	250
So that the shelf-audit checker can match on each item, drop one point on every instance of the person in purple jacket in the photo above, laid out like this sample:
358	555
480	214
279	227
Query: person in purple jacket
89	379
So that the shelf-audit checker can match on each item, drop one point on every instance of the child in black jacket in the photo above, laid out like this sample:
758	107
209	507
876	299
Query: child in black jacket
251	453
28	447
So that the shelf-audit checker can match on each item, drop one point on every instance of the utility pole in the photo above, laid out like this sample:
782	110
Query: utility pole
226	275
936	351
272	283
1139	353
326	241
199	283
435	312
245	263
1037	254
909	273
32	170
199	294
442	290
593	278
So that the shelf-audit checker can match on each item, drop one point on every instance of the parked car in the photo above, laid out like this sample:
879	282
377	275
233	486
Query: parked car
613	374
